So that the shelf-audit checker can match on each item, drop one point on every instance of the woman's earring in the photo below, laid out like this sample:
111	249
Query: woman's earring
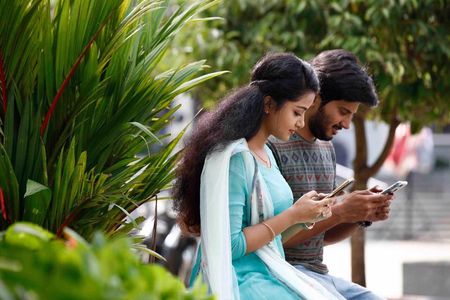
267	112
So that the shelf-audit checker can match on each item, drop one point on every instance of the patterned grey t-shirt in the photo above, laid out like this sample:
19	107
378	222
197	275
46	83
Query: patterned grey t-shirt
306	166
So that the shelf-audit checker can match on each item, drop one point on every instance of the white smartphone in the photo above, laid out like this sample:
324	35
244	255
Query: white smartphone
395	187
340	188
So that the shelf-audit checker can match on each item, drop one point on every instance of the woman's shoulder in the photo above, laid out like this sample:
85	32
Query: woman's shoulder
237	158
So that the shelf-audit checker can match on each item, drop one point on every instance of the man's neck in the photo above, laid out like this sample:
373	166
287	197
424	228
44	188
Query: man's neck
306	134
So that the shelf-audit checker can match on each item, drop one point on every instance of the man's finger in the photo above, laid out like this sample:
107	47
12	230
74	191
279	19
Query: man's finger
378	198
376	189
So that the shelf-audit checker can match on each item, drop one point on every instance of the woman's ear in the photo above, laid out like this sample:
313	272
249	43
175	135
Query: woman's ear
268	104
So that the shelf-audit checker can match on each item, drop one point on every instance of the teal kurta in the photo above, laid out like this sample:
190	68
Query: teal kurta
254	278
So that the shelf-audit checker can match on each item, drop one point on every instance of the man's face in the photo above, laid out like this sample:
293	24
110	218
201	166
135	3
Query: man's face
332	117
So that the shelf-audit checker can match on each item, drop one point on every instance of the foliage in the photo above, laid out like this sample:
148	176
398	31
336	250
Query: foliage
82	93
405	44
35	265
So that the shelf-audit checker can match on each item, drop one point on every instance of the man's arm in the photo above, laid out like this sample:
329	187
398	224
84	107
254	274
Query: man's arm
339	232
319	227
356	206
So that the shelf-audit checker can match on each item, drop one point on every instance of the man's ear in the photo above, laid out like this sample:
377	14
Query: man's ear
316	102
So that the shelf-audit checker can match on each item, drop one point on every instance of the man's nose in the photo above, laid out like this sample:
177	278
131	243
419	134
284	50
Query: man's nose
299	124
346	123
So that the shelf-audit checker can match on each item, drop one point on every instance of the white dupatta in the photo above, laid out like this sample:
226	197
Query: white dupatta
216	262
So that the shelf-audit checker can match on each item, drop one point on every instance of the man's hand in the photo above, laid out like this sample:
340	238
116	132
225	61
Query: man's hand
365	205
382	213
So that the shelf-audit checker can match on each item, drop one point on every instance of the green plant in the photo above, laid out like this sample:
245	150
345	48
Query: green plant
36	265
82	93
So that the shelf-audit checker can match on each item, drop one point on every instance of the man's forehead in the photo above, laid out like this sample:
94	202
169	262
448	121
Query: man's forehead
352	106
350	103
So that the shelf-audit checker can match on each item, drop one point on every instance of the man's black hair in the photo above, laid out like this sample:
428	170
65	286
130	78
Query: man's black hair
342	77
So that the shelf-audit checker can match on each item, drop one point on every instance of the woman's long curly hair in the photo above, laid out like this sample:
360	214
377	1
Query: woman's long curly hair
283	77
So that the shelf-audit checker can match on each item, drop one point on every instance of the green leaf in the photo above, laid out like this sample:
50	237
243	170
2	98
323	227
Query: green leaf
10	185
27	235
149	251
37	200
192	83
146	130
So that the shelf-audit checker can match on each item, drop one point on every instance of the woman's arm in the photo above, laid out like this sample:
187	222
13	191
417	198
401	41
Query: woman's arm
246	239
306	209
259	235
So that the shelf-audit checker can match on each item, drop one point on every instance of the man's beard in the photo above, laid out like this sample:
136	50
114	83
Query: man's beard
318	124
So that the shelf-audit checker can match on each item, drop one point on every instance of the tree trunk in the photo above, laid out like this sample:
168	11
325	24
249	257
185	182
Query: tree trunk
362	174
357	255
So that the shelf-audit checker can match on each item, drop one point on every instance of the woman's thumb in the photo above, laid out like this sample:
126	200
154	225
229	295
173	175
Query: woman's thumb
311	193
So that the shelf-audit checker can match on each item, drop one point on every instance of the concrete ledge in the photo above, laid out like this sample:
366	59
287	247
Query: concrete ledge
427	278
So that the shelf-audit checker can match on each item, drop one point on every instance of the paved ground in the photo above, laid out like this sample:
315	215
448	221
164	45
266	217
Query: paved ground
384	261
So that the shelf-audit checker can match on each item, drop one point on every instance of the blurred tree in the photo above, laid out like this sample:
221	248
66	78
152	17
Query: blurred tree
405	43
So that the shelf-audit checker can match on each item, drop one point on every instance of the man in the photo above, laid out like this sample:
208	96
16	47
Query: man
308	162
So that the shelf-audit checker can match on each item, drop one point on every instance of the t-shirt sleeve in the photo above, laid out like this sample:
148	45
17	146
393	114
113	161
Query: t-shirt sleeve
333	158
238	193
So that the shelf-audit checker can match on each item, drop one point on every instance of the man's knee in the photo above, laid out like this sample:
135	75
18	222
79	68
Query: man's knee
353	291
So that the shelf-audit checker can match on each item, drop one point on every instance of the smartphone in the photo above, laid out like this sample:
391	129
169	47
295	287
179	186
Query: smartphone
340	188
395	187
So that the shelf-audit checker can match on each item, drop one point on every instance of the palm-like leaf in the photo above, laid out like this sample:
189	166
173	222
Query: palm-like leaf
81	95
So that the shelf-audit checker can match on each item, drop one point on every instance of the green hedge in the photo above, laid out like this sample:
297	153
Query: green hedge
35	265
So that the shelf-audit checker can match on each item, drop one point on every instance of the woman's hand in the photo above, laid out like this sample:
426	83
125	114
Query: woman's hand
311	207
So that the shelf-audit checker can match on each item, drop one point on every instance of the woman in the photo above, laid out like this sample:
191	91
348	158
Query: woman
230	191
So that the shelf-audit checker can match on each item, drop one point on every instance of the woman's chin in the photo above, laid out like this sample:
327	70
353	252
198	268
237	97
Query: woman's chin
284	138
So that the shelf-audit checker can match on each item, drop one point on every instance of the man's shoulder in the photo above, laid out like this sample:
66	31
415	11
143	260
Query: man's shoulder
321	143
274	141
296	142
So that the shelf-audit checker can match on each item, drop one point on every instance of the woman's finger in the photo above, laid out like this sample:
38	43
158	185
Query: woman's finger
327	201
320	196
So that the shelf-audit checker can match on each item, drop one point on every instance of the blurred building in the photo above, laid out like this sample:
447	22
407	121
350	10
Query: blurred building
421	211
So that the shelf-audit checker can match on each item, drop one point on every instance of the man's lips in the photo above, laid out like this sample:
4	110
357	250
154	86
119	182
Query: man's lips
336	129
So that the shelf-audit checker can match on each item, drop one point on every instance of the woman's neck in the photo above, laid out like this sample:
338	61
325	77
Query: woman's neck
258	141
256	145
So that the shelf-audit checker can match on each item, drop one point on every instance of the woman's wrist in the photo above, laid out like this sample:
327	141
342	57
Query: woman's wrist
291	219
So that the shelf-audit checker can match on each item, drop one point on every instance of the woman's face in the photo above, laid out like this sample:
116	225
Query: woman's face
283	121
